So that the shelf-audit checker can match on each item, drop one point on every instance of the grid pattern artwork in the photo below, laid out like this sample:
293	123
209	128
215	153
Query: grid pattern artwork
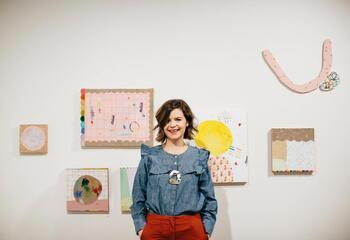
116	117
293	150
87	190
33	139
127	176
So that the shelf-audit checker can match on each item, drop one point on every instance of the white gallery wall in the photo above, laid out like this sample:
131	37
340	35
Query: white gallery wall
205	52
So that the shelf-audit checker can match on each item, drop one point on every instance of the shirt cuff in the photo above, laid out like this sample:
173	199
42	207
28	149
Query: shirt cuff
208	226
139	223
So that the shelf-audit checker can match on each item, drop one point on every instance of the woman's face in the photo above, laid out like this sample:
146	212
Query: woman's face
176	126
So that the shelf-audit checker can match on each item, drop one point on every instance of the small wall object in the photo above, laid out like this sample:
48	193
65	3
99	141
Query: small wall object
33	139
87	190
116	117
325	81
127	175
293	150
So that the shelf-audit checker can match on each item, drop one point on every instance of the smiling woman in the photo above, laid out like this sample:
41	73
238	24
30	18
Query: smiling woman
172	116
176	125
173	194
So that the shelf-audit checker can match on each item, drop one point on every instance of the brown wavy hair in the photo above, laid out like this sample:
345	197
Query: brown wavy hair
163	113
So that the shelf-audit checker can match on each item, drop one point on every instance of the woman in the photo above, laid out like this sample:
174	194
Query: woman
173	194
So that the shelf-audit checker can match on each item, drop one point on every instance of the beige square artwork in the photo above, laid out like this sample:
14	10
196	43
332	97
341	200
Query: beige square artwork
33	139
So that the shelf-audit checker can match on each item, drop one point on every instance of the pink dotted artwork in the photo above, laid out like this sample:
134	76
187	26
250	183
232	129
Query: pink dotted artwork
116	117
222	171
325	80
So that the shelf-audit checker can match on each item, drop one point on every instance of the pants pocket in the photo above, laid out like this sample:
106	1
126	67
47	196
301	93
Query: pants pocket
198	229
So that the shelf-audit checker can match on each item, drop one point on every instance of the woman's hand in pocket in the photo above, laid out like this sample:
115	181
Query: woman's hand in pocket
140	233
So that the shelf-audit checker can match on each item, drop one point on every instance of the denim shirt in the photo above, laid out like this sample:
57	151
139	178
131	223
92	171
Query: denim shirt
152	192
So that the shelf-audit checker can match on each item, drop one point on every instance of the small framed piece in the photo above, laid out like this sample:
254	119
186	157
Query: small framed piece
33	139
293	150
87	190
116	117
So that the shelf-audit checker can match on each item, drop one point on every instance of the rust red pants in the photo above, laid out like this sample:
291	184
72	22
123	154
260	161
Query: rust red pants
185	227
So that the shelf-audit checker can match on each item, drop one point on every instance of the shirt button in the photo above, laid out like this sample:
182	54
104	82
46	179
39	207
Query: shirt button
175	163
175	156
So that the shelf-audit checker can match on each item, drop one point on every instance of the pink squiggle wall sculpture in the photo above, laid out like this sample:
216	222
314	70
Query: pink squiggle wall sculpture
307	87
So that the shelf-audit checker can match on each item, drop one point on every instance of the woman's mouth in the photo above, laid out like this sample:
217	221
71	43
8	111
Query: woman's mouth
173	131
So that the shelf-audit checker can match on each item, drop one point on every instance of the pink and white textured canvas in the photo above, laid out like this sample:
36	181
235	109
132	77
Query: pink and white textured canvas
293	150
118	118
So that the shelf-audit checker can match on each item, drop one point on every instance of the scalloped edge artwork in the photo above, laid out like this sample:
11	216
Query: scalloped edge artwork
293	150
116	117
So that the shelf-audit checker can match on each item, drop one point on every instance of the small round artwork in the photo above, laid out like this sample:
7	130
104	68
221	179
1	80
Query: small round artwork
87	189
33	138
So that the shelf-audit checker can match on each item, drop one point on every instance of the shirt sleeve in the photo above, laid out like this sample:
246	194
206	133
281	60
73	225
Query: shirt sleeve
206	187
139	191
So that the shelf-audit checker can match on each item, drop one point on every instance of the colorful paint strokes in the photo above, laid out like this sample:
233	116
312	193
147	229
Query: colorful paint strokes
293	150
224	134
33	139
127	176
116	117
87	190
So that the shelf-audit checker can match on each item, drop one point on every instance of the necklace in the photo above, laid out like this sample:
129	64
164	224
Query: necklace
330	80
175	175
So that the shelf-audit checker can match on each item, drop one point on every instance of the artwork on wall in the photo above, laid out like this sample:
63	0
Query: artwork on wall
33	139
224	134
325	81
293	150
87	190
116	117
127	175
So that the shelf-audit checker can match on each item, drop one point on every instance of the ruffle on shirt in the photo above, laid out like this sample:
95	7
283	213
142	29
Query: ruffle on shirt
144	150
203	157
200	164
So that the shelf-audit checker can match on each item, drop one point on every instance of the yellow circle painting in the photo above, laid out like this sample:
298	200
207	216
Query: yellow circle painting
214	136
87	189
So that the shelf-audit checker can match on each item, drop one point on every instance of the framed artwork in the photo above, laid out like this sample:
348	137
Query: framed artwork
127	176
224	134
116	117
33	139
293	150
87	190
